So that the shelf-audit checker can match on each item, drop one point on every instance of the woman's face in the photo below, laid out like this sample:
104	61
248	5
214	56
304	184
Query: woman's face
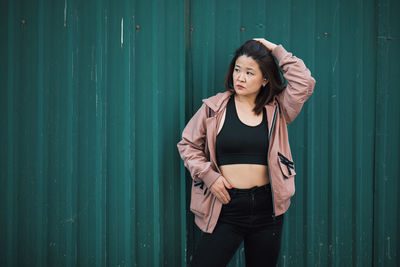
247	77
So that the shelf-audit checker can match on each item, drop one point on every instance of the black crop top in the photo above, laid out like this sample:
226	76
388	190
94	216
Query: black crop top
238	143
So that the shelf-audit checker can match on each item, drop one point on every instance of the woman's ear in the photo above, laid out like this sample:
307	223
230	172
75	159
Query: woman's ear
265	81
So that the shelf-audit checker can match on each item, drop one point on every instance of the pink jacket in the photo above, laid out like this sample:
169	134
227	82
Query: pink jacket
197	147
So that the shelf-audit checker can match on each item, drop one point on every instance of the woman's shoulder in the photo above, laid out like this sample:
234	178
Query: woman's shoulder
215	101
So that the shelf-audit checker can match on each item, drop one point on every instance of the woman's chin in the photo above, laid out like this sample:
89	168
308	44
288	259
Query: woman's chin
239	91
245	93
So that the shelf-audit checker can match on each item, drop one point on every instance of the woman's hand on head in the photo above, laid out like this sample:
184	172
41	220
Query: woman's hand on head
218	188
270	46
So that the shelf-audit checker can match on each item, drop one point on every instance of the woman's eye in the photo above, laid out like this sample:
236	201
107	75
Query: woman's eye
249	73
237	70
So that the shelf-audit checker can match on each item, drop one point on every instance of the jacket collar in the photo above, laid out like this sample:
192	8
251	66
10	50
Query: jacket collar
216	102
219	101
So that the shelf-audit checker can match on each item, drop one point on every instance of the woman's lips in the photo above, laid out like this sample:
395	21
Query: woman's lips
240	87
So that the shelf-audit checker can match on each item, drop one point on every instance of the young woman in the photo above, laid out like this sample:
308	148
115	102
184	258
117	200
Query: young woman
237	150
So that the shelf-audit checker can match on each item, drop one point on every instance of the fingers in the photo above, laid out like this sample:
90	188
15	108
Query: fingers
226	183
270	46
223	196
219	190
261	40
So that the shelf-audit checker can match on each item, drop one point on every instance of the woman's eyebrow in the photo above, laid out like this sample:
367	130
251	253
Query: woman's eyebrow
246	68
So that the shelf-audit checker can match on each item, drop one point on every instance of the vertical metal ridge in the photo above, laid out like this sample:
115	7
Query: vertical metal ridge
17	206
382	117
372	46
132	126
105	138
357	124
186	85
11	241
41	193
356	138
155	129
100	178
126	52
70	205
336	216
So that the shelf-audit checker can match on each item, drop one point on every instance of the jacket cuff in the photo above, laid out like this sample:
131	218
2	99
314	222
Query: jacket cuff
210	176
279	52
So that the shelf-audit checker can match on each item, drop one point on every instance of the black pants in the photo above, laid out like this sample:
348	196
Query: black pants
247	217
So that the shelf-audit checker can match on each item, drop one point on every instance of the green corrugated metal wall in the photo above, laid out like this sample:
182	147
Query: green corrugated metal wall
94	95
90	118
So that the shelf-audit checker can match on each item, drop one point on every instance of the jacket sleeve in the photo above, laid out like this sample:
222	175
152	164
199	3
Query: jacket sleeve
191	149
300	83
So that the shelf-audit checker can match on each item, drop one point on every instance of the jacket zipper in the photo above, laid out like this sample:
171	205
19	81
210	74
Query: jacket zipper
269	173
215	198
212	210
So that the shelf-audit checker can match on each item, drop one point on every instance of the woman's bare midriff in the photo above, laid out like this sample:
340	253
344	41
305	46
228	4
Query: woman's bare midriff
245	175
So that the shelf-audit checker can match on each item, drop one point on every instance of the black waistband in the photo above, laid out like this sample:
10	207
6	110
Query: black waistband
255	189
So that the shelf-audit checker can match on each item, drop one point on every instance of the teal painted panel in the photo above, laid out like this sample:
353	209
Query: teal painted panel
387	132
90	104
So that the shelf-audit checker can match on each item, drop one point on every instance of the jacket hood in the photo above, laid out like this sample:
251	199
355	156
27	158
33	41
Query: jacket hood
215	102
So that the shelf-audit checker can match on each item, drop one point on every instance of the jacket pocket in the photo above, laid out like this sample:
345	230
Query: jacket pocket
200	185
287	166
199	199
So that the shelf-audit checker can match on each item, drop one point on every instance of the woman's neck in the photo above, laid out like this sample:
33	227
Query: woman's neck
248	101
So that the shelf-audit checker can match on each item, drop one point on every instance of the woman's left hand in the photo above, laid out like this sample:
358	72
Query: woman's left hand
270	46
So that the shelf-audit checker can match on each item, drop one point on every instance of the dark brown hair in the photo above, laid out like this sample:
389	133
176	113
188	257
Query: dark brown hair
268	67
